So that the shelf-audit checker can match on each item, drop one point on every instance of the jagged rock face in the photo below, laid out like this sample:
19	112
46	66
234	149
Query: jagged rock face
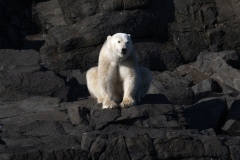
189	26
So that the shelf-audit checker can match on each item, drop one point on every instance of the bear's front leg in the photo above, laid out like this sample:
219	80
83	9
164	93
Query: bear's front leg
106	90
106	85
130	88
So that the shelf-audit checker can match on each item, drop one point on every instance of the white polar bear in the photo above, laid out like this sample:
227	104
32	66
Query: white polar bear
118	78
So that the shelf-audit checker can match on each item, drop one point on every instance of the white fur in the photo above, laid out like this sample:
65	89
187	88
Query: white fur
118	78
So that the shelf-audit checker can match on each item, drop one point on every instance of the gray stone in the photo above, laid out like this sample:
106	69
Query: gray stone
103	117
216	65
98	147
206	114
178	147
19	60
157	56
50	14
43	128
140	147
234	147
231	125
204	87
176	89
89	137
213	147
18	86
73	113
24	119
117	149
33	104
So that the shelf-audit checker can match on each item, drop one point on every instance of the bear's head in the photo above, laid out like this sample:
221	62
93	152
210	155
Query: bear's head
120	44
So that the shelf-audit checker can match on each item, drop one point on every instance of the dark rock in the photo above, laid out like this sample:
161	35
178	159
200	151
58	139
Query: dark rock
23	153
78	46
204	87
98	146
225	12
103	117
135	4
19	142
162	121
29	105
17	86
120	5
43	128
73	113
198	76
116	130
117	149
89	137
206	114
49	14
176	89
75	11
80	76
19	60
216	65
157	56
178	147
76	80
62	147
78	115
189	44
140	147
24	119
231	125
187	30
213	147
234	147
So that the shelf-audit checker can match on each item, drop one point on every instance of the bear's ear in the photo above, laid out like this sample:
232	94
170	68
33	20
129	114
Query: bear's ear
129	35
109	37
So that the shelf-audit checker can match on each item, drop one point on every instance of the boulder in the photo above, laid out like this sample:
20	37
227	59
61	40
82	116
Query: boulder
75	11
19	60
49	14
208	113
176	89
117	148
18	86
157	56
234	147
218	66
178	147
77	46
232	122
204	87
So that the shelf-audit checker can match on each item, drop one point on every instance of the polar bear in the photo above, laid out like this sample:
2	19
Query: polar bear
118	77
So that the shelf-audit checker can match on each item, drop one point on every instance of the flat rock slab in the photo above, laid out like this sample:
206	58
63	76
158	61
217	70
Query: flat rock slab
21	85
206	114
19	60
45	128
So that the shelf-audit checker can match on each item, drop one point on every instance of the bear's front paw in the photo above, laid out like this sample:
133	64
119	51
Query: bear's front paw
127	102
109	104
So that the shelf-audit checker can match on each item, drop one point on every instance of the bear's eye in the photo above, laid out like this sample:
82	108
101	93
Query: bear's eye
118	41
127	41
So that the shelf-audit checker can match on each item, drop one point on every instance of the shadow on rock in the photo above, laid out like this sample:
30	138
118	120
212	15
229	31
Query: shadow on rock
155	99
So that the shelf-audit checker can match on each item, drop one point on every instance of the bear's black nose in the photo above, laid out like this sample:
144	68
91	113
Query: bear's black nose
124	51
